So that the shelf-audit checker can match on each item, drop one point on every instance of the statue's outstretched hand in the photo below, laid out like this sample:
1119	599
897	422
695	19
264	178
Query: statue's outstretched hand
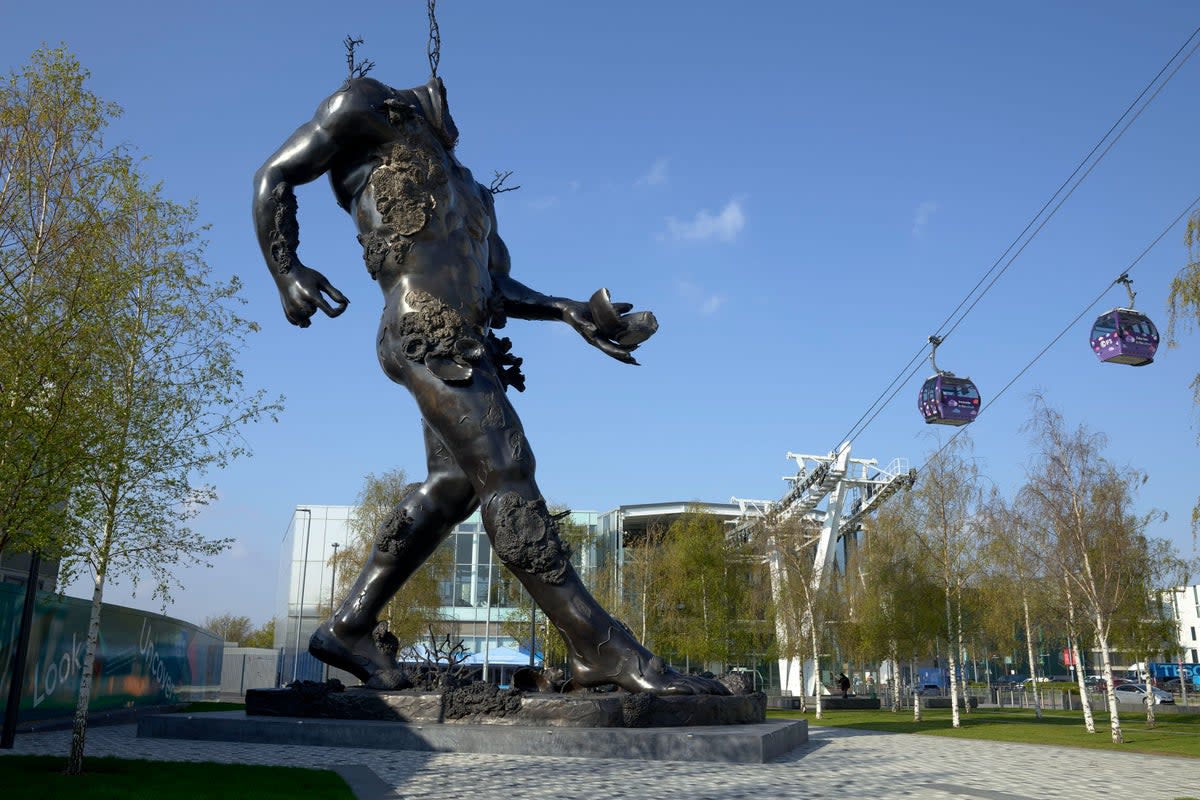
609	326
302	292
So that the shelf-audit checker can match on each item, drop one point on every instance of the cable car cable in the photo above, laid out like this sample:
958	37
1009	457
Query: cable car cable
908	370
1085	160
1073	322
1082	178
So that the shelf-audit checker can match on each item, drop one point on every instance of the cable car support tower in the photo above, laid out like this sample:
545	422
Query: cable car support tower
851	488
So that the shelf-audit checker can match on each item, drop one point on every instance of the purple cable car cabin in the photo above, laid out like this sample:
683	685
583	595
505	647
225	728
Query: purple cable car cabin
1124	336
947	400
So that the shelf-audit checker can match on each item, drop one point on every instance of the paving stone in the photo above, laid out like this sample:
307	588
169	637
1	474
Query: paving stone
836	764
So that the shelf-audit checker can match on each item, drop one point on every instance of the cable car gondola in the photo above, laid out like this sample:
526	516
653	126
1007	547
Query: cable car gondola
1123	335
946	399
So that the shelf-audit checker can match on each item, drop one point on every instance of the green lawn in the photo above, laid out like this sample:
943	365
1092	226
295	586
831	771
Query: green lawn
42	778
1175	734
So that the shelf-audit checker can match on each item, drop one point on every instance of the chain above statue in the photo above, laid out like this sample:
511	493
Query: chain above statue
429	238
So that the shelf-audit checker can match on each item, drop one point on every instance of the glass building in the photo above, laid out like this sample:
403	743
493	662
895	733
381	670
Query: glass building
306	579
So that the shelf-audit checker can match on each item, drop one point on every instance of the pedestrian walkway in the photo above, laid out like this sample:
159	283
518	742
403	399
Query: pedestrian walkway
836	764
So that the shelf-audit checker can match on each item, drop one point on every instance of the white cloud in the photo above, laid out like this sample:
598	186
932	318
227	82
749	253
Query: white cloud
921	218
723	226
657	175
543	203
705	301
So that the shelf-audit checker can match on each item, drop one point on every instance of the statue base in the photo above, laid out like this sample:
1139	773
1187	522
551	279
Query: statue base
482	704
739	744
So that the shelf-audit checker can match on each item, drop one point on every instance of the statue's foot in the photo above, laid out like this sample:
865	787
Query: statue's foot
359	656
622	661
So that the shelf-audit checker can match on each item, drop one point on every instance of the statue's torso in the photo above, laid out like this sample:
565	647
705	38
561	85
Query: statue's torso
422	221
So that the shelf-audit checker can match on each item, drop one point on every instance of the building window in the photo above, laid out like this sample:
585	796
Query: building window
1193	633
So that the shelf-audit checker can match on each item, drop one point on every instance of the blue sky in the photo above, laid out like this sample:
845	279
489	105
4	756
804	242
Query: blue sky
801	192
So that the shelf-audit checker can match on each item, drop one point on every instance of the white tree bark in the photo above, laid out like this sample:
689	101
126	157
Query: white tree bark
816	655
895	677
955	720
1089	721
1037	695
1085	702
79	728
958	626
1110	690
1150	720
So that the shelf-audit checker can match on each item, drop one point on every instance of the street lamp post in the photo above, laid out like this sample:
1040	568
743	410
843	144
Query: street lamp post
332	588
487	624
300	603
532	628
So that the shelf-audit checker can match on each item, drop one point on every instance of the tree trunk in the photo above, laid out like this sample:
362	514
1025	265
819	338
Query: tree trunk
1110	690
1085	702
958	626
816	654
955	720
1089	721
1184	679
79	729
1037	695
1150	721
895	677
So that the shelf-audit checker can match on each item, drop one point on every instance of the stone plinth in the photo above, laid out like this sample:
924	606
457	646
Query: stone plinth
583	710
742	744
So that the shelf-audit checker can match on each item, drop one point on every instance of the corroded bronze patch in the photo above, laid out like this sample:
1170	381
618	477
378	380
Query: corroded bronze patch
410	173
435	334
526	536
285	229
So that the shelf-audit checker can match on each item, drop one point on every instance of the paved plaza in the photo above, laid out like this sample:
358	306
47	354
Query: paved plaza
836	763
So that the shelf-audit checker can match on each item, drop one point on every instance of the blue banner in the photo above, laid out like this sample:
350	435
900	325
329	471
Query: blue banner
142	659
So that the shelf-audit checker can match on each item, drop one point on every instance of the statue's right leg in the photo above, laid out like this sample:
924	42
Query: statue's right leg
406	539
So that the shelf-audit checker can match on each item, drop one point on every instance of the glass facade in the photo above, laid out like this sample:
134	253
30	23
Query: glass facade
477	594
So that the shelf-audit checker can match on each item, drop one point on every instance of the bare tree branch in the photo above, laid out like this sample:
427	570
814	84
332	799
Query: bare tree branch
356	69
497	185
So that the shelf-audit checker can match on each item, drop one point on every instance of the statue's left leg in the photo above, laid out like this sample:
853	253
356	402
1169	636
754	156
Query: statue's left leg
406	539
484	435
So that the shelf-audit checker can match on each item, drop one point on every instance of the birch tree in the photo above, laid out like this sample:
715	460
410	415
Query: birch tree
1014	548
946	498
805	601
174	406
230	627
1145	624
57	178
644	566
897	612
1183	303
1099	539
705	593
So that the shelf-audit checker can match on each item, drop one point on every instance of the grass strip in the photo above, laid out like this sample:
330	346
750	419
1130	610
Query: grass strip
44	777
1173	735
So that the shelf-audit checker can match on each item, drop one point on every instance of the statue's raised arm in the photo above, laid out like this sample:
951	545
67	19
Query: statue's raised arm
607	326
304	157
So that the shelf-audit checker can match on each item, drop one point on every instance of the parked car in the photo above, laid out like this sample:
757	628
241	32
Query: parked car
1094	683
1136	693
1175	687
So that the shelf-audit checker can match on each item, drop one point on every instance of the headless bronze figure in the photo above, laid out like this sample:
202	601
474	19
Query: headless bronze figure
428	232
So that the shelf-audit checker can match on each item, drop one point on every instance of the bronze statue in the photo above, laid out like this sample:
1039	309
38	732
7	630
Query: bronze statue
428	232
